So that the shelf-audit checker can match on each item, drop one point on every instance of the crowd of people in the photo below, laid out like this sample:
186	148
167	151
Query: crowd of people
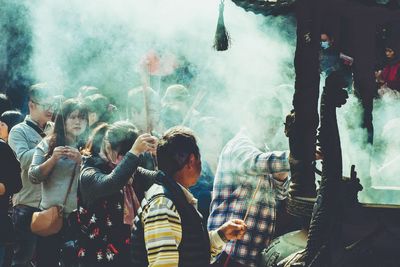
143	186
152	182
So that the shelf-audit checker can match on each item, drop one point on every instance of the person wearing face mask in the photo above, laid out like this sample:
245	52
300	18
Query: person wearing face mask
333	59
107	203
329	56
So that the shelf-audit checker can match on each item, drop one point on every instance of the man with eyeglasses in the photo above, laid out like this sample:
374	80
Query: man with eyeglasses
23	139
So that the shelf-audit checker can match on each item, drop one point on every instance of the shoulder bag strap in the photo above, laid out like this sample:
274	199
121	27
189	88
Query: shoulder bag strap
70	185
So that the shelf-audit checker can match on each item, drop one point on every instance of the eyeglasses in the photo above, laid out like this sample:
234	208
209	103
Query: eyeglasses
48	106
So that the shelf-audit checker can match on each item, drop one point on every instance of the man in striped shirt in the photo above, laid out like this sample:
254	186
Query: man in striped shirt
170	226
249	181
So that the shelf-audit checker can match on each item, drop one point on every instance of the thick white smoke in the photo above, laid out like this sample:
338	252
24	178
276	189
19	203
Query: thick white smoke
100	42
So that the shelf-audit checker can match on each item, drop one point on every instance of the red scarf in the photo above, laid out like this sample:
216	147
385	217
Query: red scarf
131	204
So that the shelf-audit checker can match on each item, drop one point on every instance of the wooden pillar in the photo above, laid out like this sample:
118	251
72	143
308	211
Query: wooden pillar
302	135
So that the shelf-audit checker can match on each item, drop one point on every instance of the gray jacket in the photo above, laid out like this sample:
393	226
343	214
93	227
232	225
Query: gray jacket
23	139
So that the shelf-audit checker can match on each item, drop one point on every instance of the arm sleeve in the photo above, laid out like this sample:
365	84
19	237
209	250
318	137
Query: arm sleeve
94	184
40	151
216	244
162	233
18	142
246	158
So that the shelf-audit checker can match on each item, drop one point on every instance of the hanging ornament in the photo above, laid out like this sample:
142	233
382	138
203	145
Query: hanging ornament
222	39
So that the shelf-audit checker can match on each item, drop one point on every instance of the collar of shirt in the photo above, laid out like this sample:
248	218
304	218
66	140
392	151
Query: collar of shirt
189	196
28	118
48	127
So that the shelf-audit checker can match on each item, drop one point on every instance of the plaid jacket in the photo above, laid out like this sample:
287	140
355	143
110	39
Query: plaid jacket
241	165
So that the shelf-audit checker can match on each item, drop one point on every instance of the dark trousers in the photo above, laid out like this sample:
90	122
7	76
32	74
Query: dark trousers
25	244
49	250
52	250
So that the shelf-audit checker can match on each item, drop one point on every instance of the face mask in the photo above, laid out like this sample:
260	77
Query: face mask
325	45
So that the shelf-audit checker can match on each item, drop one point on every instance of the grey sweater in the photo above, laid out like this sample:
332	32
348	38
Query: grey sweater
55	185
23	139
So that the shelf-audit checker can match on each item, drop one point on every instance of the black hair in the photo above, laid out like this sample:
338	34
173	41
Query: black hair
11	118
174	149
101	105
58	137
93	145
121	136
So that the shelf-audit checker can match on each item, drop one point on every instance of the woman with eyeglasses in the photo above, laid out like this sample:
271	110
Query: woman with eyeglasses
56	164
107	203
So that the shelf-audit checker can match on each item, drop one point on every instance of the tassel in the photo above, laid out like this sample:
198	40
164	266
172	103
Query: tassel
222	39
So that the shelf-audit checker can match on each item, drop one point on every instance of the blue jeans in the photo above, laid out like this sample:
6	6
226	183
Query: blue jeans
25	245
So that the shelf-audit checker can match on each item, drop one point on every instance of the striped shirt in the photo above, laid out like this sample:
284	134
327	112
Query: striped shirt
241	166
163	231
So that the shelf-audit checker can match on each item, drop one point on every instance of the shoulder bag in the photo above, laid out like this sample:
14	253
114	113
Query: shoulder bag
50	221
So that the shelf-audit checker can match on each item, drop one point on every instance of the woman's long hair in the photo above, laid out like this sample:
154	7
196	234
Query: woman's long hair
93	145
58	137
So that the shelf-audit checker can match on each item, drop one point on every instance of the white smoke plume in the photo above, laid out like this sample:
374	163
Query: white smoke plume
100	43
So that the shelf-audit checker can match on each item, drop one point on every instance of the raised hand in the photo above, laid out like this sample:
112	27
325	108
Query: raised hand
144	143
